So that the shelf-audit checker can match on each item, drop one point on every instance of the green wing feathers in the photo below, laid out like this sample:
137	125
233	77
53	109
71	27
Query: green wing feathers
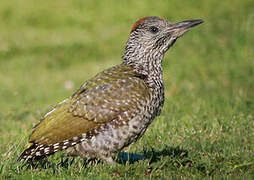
60	125
98	101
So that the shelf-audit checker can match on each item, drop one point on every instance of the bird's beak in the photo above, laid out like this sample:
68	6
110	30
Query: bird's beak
178	29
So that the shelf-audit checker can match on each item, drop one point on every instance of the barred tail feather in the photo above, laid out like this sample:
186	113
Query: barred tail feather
30	154
39	151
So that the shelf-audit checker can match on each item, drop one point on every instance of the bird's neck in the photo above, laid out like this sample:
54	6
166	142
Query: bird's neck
145	62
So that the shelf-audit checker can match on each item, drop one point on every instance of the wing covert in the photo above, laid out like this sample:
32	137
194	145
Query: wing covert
90	107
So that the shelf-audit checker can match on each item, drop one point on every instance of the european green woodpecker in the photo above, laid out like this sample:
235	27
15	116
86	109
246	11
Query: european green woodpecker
115	107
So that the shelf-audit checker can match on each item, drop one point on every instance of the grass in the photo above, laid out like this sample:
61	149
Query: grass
49	48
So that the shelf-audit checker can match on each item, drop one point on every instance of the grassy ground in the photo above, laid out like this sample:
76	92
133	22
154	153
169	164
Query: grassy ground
49	48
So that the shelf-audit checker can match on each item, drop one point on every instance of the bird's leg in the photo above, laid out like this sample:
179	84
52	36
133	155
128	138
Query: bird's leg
108	159
72	152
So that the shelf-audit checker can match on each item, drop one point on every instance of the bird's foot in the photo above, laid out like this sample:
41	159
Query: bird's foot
108	160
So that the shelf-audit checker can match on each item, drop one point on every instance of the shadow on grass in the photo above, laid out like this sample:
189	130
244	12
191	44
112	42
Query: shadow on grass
152	155
123	158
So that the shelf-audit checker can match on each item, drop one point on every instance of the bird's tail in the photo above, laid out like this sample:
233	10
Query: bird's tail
33	153
39	151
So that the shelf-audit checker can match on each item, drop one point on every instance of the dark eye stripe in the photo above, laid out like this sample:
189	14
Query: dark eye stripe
154	29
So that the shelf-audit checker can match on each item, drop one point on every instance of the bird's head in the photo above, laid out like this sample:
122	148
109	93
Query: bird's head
151	37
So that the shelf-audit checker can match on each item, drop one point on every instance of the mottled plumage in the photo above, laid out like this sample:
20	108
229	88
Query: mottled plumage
114	108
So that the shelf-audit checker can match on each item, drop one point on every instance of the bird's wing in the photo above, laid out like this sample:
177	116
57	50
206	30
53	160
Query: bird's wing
99	101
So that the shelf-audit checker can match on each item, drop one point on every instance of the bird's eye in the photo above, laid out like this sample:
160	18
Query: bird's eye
154	29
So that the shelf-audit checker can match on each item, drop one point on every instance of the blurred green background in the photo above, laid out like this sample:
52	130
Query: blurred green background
49	48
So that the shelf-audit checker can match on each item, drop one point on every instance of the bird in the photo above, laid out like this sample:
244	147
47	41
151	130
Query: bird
115	107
